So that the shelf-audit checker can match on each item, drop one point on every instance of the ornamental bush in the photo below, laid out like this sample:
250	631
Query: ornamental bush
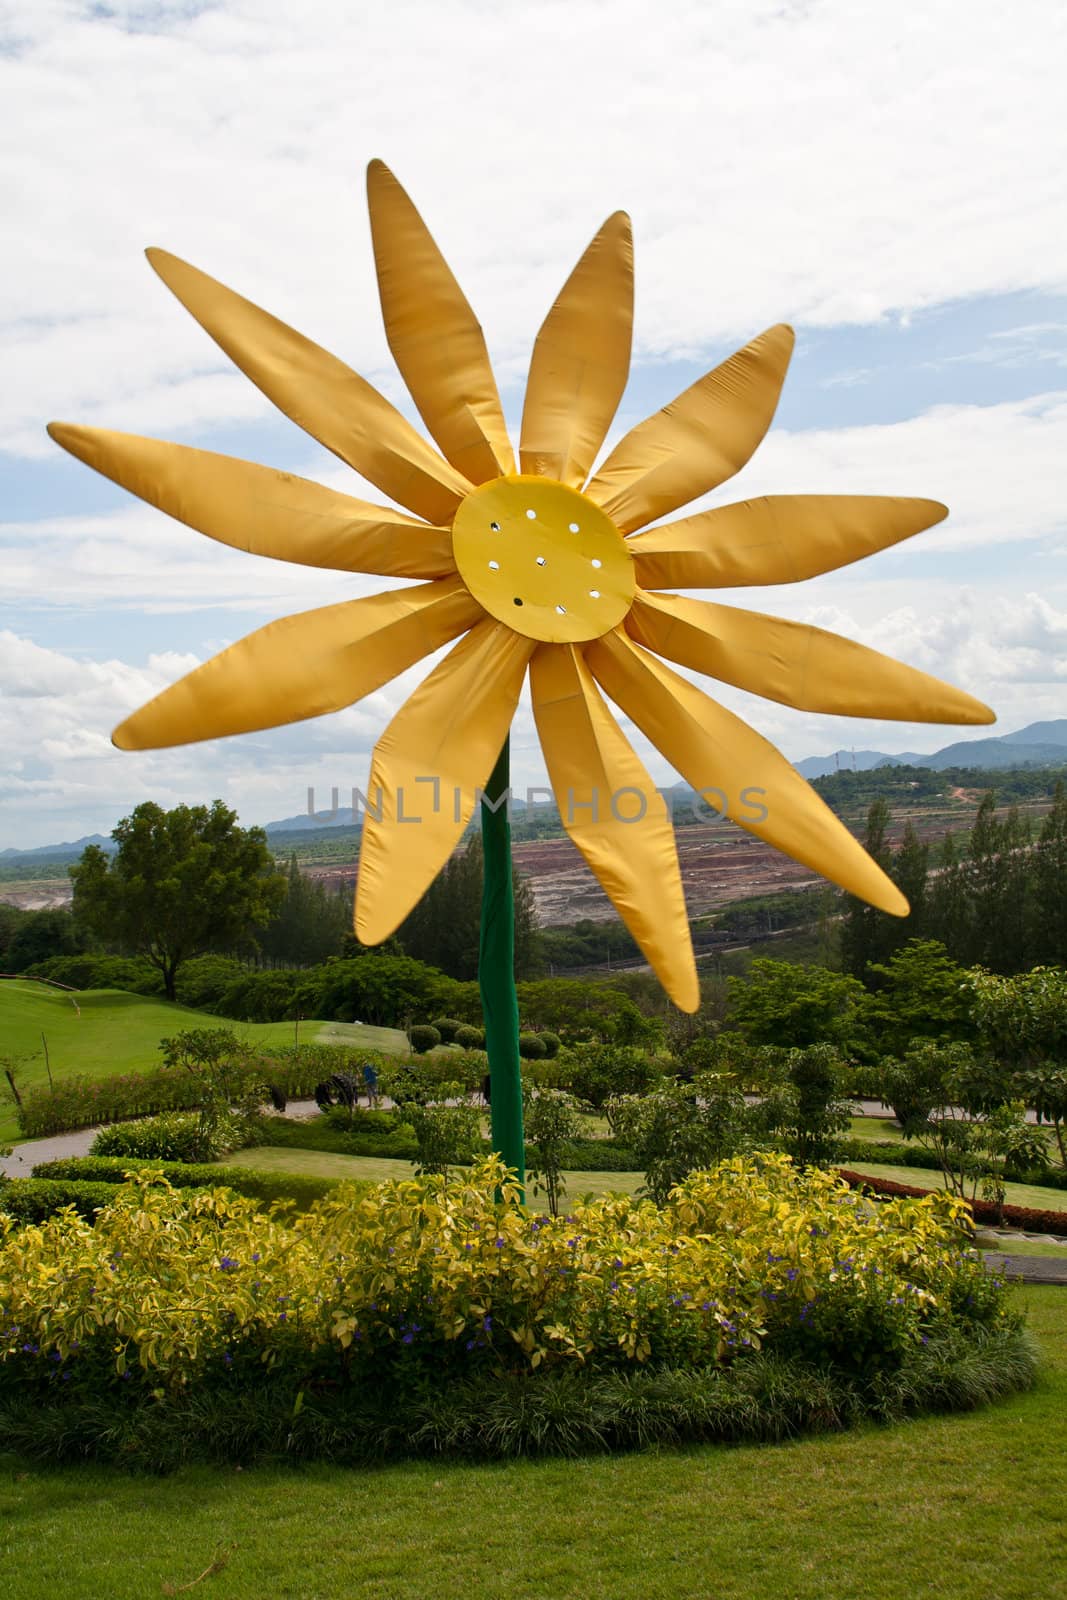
423	1037
531	1047
423	1282
174	1136
468	1037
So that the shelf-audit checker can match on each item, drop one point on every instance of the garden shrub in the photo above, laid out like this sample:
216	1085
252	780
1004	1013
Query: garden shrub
598	1071
423	1037
80	1102
531	1046
173	1136
469	1038
680	1128
445	1135
132	973
551	1042
552	1125
425	1279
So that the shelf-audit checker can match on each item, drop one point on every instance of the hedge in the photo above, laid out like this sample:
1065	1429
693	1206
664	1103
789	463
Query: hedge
1034	1221
265	1186
82	1102
35	1199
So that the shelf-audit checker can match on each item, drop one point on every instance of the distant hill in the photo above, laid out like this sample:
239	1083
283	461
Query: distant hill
69	851
1041	744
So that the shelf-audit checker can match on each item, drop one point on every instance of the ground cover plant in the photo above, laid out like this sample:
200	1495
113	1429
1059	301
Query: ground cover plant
426	1316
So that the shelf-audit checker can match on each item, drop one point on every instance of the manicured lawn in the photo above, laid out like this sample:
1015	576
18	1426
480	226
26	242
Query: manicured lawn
1018	1194
969	1507
879	1128
109	1031
320	1164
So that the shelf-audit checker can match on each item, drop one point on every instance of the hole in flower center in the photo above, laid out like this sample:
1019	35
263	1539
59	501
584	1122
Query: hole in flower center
524	547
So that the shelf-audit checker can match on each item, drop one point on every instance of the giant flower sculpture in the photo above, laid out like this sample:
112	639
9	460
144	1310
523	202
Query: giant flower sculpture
542	569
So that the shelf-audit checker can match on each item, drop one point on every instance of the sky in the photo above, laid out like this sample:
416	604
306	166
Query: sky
888	179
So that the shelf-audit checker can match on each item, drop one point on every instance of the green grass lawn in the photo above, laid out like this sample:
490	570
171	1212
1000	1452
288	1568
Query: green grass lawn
100	1031
320	1164
879	1128
1018	1194
967	1507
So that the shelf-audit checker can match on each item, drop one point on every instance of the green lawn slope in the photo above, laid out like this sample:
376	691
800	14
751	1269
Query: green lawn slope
96	1032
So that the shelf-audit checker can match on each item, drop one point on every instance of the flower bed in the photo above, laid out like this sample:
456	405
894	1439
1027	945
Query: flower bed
175	1304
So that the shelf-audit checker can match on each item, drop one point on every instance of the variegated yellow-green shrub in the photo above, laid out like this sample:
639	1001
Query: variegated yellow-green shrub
425	1278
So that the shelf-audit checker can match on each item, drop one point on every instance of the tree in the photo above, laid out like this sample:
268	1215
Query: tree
681	1128
552	1124
444	929
782	1004
181	883
1049	938
865	932
922	994
41	935
311	923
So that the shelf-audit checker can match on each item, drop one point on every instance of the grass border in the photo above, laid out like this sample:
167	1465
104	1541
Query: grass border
761	1398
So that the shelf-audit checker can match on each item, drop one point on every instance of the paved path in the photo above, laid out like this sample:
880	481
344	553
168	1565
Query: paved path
24	1157
1032	1269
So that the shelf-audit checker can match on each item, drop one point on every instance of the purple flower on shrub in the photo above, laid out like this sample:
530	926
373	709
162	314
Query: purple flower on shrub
228	1264
408	1338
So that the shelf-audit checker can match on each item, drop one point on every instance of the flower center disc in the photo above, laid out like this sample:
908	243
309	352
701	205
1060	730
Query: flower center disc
543	559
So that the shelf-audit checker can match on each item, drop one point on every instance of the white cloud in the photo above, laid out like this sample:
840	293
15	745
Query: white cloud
828	163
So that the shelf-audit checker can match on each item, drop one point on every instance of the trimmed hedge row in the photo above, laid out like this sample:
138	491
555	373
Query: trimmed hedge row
327	1135
265	1186
1034	1221
82	1102
37	1199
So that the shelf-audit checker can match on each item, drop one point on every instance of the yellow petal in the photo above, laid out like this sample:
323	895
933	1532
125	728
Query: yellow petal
435	338
261	510
303	666
436	753
581	360
779	539
699	440
736	769
795	664
323	396
614	814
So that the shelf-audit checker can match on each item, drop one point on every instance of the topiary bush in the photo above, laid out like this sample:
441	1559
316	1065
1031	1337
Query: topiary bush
423	1037
446	1027
531	1047
551	1042
468	1037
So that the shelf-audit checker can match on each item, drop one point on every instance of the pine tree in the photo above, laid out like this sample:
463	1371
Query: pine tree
866	935
445	927
1048	941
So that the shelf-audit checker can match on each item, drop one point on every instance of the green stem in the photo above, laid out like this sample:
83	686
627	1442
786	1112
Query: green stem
496	972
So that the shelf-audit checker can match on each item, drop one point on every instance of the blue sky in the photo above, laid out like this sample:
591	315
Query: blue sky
893	185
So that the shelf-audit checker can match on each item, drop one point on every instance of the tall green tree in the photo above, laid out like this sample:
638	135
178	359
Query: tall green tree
311	923
444	928
866	934
782	1004
1048	941
181	883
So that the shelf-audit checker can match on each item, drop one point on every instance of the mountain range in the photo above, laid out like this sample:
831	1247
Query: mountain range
1040	744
